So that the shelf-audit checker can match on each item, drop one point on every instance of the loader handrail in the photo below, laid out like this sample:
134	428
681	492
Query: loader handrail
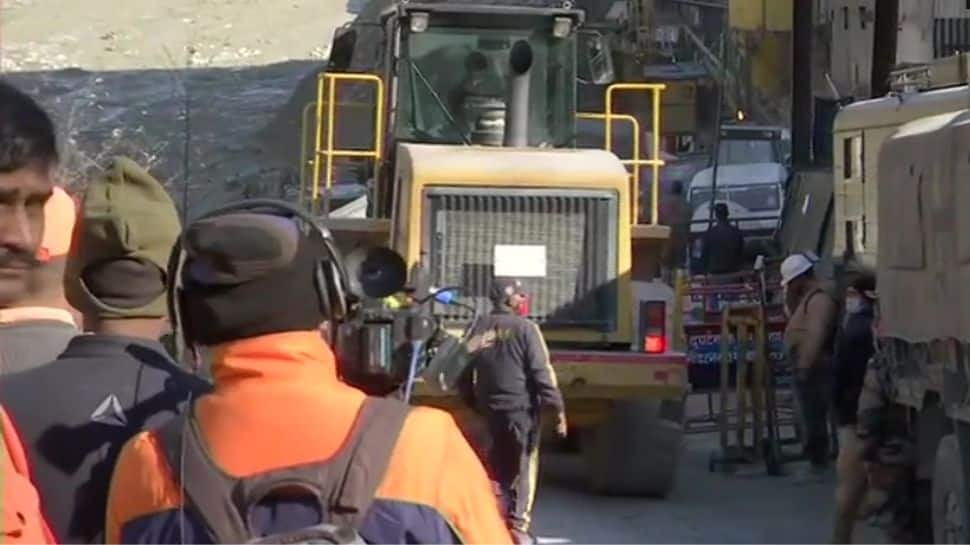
635	162
308	158
655	162
327	84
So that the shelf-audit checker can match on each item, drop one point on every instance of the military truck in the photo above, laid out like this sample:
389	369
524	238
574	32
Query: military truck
445	131
901	183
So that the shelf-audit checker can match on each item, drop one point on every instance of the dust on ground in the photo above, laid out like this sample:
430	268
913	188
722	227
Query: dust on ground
185	87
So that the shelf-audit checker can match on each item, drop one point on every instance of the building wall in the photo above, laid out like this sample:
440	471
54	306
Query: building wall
761	15
951	27
949	9
852	23
915	39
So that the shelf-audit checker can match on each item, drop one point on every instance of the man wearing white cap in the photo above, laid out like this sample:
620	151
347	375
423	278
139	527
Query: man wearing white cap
809	344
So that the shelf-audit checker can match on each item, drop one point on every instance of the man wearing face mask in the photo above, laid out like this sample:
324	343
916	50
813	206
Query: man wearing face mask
853	349
809	343
513	384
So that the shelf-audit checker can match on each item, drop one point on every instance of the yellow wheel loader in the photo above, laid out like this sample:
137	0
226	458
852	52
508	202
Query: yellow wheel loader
445	131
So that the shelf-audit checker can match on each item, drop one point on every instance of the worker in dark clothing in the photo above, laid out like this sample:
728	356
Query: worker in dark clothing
723	250
854	348
76	412
513	385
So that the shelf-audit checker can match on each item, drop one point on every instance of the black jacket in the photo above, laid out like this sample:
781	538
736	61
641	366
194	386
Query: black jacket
510	364
723	250
853	349
76	413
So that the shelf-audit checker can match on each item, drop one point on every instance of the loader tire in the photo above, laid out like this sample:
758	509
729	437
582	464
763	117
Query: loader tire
949	494
636	451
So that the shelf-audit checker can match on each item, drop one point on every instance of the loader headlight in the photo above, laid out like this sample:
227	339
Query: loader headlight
419	22
561	27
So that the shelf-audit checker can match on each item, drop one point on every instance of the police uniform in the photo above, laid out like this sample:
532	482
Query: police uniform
513	382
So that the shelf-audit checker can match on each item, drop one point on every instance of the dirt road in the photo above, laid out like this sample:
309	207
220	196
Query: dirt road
704	508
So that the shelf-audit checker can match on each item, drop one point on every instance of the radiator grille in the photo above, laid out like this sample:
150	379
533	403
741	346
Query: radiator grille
577	229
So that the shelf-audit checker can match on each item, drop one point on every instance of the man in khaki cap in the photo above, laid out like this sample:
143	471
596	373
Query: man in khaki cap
76	412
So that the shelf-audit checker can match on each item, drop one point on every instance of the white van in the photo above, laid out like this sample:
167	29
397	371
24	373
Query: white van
754	194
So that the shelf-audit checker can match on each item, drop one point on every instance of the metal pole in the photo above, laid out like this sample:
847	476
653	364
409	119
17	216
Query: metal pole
721	82
884	44
801	111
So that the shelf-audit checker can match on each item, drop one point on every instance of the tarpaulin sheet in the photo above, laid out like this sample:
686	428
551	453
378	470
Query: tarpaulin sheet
921	280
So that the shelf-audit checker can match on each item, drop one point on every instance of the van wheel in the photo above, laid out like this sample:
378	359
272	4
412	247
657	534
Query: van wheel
949	494
637	449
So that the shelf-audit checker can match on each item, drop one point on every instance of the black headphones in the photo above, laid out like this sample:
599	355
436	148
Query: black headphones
359	340
331	276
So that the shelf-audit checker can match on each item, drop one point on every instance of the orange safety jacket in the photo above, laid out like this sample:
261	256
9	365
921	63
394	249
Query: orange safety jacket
21	519
277	403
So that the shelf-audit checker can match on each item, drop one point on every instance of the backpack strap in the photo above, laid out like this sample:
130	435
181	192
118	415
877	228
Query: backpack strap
207	490
344	485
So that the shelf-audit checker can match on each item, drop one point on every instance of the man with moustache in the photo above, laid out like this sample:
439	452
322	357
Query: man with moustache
37	328
28	157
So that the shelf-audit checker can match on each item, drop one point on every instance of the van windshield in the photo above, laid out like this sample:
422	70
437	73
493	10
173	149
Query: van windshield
754	198
740	152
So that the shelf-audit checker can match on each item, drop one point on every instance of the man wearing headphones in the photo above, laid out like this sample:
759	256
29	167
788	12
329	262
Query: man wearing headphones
253	289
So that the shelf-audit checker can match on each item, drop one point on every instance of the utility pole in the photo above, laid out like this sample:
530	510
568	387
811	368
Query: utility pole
884	43
803	24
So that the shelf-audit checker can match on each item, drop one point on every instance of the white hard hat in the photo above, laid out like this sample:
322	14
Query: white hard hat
796	265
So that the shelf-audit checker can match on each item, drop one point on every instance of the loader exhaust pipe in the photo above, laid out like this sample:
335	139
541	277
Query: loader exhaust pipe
517	107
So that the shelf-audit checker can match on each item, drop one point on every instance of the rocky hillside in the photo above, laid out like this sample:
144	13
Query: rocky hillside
184	86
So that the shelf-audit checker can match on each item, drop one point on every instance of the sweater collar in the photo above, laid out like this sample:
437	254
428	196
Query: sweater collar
35	314
290	356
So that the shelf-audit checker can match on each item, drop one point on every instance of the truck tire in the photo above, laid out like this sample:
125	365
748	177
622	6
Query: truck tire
636	451
949	495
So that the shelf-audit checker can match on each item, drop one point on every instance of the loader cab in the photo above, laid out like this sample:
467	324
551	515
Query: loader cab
450	73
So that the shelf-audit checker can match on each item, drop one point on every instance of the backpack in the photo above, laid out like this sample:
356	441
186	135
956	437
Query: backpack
344	485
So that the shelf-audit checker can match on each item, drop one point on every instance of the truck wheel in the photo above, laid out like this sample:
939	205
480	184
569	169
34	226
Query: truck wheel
949	495
637	449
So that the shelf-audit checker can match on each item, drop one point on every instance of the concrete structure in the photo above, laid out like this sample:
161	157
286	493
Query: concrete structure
951	27
760	56
927	30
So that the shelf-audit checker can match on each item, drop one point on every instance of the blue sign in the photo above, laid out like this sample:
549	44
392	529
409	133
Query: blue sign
706	349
